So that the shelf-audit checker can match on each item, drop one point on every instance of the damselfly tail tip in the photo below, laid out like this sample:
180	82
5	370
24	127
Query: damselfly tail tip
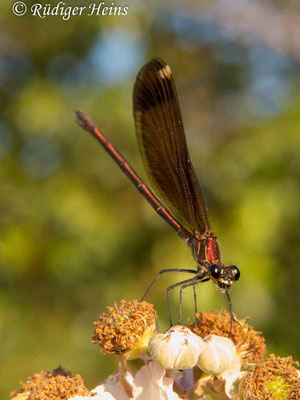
82	119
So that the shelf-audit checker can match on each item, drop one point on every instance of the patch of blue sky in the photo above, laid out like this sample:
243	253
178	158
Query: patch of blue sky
113	59
263	59
267	72
197	29
271	77
266	95
115	56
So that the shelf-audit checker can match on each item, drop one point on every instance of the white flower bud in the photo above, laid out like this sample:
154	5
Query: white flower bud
217	355
178	348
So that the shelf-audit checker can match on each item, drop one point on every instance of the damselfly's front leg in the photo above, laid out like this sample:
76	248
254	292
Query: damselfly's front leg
187	282
189	271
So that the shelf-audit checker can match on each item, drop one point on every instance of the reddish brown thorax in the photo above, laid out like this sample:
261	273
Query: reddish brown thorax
212	250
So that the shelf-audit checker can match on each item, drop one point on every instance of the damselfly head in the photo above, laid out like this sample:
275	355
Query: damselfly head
223	276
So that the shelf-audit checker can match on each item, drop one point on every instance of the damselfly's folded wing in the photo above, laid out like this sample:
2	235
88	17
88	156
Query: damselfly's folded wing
163	146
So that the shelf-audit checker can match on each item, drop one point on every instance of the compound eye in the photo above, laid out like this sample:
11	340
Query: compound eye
215	271
236	273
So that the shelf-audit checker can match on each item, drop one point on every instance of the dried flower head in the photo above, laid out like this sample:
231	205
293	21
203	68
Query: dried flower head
274	378
126	329
51	385
249	343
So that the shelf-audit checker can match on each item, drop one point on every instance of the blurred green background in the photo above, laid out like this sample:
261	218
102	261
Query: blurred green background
75	235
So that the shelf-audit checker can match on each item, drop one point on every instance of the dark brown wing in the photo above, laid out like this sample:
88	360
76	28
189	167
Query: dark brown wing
163	147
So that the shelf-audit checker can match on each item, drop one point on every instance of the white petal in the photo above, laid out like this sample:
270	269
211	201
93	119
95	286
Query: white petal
101	395
113	390
151	383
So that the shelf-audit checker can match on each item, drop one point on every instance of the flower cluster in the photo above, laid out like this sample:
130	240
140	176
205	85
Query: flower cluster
126	329
51	385
249	343
213	357
274	377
